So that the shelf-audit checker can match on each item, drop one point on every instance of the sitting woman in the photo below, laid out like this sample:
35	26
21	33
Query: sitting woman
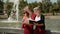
39	22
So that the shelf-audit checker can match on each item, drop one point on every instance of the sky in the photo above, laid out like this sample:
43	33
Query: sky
40	1
29	1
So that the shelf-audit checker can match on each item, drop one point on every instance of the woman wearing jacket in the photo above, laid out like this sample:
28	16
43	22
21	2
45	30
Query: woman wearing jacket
39	22
28	28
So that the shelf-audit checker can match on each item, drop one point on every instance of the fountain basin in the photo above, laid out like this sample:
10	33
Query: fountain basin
14	24
10	27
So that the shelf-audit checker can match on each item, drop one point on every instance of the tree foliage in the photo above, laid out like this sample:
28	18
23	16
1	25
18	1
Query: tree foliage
46	7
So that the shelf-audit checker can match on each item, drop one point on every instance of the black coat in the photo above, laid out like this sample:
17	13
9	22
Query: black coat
42	21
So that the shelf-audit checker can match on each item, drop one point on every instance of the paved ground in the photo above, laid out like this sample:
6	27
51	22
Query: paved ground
47	32
51	24
20	31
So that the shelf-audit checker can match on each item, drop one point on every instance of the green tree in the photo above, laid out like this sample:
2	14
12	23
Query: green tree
58	5
1	6
9	7
55	8
22	5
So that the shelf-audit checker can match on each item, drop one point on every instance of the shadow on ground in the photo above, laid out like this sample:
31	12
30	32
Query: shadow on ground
48	32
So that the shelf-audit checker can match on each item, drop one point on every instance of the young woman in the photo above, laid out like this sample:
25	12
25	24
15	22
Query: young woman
28	28
25	23
39	22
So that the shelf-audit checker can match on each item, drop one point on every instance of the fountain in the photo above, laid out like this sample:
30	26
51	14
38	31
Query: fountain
12	24
14	12
13	17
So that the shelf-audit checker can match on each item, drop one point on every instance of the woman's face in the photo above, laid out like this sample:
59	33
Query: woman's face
24	14
36	11
26	8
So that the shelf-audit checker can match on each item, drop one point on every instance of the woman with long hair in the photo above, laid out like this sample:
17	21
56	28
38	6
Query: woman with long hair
28	28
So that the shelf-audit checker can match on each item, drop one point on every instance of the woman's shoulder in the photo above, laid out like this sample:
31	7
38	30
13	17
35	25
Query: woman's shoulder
33	16
42	15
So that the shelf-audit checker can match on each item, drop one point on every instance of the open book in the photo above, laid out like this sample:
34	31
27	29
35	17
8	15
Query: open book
33	21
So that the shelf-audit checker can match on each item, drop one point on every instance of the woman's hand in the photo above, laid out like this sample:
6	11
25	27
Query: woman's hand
38	24
26	22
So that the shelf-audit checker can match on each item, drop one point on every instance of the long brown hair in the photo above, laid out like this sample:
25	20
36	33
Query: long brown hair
27	14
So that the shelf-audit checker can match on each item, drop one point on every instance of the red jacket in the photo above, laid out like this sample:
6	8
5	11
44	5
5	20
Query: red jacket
28	29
